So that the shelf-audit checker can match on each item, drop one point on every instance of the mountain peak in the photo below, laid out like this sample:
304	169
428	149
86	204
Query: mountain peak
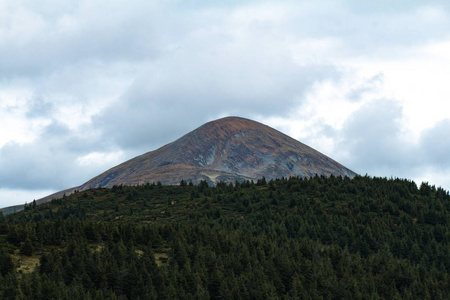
227	149
225	127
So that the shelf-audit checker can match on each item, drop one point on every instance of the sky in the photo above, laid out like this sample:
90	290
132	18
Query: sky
88	84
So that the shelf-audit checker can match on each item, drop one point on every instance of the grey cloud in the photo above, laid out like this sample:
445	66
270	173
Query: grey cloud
48	162
56	131
371	139
371	142
90	31
32	167
370	85
435	145
391	6
83	32
36	166
38	107
369	28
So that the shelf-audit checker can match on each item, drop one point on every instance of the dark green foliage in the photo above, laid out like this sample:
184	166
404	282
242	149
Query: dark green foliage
318	238
27	248
6	263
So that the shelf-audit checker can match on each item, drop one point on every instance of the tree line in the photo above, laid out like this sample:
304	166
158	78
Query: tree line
290	238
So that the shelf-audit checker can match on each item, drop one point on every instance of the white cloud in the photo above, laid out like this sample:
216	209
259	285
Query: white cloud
417	79
102	160
10	197
13	122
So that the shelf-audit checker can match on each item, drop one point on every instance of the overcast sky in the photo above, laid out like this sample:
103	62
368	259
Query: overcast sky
85	84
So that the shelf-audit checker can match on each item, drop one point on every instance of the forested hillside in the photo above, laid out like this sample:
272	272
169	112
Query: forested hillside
317	238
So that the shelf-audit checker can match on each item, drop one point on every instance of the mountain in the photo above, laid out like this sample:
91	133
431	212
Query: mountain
227	149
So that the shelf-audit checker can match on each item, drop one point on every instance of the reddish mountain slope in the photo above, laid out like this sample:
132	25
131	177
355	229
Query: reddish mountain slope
227	149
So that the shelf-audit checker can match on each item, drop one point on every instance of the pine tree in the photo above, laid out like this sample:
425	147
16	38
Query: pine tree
6	263
27	248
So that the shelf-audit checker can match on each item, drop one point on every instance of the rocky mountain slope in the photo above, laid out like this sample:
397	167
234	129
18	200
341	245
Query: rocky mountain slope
227	149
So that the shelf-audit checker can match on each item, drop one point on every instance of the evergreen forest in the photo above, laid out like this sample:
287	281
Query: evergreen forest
289	238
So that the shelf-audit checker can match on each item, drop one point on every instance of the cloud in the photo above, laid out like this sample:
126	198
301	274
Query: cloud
371	138
358	92
38	107
373	141
35	43
54	160
435	145
392	7
10	197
